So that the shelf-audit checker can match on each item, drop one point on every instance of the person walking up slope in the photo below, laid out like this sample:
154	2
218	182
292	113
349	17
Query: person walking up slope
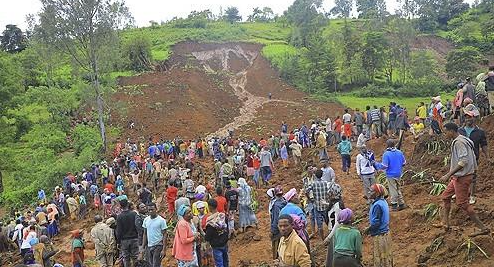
345	148
393	162
462	169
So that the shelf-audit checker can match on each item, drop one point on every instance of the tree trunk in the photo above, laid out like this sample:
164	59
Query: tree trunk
101	122
1	182
99	99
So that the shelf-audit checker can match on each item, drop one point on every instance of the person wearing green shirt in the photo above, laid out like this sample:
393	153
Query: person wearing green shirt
347	242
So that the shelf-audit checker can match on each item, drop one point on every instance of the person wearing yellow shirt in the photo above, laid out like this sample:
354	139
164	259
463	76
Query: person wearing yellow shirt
417	128
292	251
422	112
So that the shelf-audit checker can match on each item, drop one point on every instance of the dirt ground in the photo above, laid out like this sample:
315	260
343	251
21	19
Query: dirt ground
194	67
207	89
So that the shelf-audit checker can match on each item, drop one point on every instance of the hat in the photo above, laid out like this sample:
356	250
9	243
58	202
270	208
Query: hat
278	190
471	110
437	98
200	204
182	210
379	189
110	221
345	216
467	101
76	233
290	194
270	192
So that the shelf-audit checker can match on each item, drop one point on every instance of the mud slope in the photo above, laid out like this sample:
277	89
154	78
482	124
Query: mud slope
209	89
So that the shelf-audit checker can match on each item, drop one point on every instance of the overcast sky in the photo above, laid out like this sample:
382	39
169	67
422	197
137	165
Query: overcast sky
15	11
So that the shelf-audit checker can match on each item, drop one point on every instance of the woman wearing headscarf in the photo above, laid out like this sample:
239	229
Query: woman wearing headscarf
199	201
184	242
203	249
246	214
347	242
293	209
379	227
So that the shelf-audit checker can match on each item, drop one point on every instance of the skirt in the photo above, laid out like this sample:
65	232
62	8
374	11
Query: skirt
246	216
382	254
346	261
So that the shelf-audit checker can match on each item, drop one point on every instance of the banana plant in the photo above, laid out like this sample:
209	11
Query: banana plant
437	188
470	247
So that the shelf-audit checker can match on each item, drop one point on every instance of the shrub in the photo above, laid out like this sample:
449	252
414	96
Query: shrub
85	136
373	90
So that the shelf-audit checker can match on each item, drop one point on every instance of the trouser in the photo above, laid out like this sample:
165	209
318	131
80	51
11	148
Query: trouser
130	250
329	138
490	97
377	128
360	128
395	192
346	162
473	186
221	256
458	186
105	259
368	180
154	255
337	137
275	242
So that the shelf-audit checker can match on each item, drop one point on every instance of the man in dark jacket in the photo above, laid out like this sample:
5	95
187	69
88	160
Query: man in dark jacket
126	234
278	204
216	233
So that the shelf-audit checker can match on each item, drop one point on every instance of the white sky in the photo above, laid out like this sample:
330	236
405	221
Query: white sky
14	12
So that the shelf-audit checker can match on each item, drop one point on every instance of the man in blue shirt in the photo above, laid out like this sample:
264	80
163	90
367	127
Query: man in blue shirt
393	162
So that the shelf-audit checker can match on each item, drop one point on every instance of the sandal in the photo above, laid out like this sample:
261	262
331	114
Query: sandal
480	232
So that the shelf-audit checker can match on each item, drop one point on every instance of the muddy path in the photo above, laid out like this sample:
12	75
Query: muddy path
238	82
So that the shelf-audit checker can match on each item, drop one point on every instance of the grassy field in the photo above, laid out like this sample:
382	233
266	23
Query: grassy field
164	37
410	103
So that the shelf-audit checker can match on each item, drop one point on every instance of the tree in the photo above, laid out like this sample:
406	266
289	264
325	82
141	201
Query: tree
85	30
350	45
371	9
422	65
342	8
13	40
437	13
232	15
408	8
321	75
462	62
373	53
256	15
306	19
137	51
400	35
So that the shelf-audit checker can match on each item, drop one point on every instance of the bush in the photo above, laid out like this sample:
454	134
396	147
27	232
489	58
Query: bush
137	52
428	86
46	135
85	136
373	90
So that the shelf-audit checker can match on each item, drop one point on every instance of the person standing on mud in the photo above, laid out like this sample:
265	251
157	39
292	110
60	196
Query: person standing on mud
379	228
126	234
278	204
393	162
292	250
462	169
477	135
266	165
104	242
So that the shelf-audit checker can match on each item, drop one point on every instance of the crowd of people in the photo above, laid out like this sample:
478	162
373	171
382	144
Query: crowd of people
153	190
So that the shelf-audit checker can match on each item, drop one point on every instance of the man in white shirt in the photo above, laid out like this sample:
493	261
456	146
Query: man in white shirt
362	138
366	170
